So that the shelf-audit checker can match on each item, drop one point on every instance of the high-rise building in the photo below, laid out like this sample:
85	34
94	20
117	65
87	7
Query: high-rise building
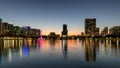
0	26
26	30
96	32
4	28
10	30
0	20
90	26
115	31
38	33
104	32
34	32
17	30
64	32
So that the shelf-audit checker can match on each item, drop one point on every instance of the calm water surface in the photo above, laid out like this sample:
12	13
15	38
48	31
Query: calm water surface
60	54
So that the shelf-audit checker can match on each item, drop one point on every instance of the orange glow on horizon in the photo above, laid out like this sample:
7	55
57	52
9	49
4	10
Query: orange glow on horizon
58	31
69	33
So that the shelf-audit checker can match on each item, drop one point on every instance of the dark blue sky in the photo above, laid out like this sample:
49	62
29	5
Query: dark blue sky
50	15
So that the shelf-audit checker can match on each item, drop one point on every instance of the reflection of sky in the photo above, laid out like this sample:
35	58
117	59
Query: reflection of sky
44	14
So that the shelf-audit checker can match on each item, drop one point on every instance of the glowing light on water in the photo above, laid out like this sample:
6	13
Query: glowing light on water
25	50
10	55
40	42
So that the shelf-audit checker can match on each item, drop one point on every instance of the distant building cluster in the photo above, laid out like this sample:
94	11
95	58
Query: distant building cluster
91	30
64	34
7	29
52	35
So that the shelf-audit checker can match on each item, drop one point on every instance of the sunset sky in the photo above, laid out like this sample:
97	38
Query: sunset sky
50	15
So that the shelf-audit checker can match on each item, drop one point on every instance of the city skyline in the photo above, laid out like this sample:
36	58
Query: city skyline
49	16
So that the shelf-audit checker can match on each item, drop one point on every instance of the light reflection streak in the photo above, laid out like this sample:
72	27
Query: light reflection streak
25	50
40	42
64	48
10	55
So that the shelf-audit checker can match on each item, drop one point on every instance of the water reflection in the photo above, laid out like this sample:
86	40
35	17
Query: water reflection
65	48
1	48
52	44
0	54
115	48
10	55
25	50
20	52
90	50
39	41
17	47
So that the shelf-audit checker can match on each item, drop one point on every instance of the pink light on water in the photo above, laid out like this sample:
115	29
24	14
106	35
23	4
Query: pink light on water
40	42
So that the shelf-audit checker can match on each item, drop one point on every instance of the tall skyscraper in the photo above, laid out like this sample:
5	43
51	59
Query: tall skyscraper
115	31
0	20
96	31
64	32
0	26
90	27
104	32
5	28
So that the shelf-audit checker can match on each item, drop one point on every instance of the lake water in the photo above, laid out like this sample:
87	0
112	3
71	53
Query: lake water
60	54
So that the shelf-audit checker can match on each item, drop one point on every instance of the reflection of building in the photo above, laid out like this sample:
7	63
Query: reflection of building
64	32
90	27
0	53
64	48
0	56
115	31
115	48
52	42
90	52
104	32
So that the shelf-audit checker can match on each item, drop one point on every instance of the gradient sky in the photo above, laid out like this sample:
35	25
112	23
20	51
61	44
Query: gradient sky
50	15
